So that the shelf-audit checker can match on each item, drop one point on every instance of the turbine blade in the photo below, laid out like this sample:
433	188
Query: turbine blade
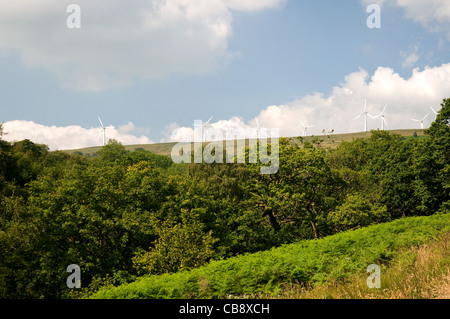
301	123
100	121
435	113
385	123
257	123
358	116
384	109
209	120
365	104
425	116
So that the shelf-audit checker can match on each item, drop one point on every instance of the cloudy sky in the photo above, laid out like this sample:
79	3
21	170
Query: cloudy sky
150	68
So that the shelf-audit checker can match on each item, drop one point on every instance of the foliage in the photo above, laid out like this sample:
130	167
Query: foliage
122	214
178	247
332	258
357	212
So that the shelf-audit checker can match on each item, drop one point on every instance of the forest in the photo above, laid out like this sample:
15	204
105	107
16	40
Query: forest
122	215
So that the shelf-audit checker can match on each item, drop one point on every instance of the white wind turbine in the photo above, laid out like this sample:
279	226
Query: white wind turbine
435	113
365	113
305	128
258	129
383	118
204	131
103	129
421	121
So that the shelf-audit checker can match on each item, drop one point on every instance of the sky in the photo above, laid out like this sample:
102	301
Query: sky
151	68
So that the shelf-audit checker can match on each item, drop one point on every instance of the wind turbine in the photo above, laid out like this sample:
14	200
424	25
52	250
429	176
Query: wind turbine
204	131
365	113
103	129
305	128
421	121
435	113
383	118
258	129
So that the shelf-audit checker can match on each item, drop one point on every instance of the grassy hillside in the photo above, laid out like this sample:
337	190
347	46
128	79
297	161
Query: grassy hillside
330	259
419	272
328	141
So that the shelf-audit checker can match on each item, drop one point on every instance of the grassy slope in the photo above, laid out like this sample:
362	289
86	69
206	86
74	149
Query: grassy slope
328	141
329	259
416	273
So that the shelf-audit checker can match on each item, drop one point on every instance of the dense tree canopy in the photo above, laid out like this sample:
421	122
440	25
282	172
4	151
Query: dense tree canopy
123	214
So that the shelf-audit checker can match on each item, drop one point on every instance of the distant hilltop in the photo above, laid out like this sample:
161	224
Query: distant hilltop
329	140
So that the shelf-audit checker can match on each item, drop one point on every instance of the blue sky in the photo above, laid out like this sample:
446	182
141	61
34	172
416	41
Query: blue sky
277	61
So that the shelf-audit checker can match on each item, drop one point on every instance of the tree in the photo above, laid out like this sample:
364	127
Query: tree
357	212
1	131
432	163
300	195
180	246
380	168
91	215
112	151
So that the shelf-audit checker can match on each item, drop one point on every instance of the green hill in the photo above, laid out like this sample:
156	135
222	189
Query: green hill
328	141
330	259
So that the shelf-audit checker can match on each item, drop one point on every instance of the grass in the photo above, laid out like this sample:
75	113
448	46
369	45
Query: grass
416	273
313	263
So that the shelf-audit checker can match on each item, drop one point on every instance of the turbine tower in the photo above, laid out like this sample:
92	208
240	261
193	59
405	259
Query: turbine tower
421	121
103	129
204	131
383	118
305	128
260	130
365	113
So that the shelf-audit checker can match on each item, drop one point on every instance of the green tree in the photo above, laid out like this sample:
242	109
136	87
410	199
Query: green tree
91	215
300	195
180	246
380	167
112	151
357	212
432	164
1	131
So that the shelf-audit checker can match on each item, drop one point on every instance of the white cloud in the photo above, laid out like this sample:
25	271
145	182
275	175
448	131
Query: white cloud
252	5
432	14
426	12
410	59
220	130
406	98
121	41
69	137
